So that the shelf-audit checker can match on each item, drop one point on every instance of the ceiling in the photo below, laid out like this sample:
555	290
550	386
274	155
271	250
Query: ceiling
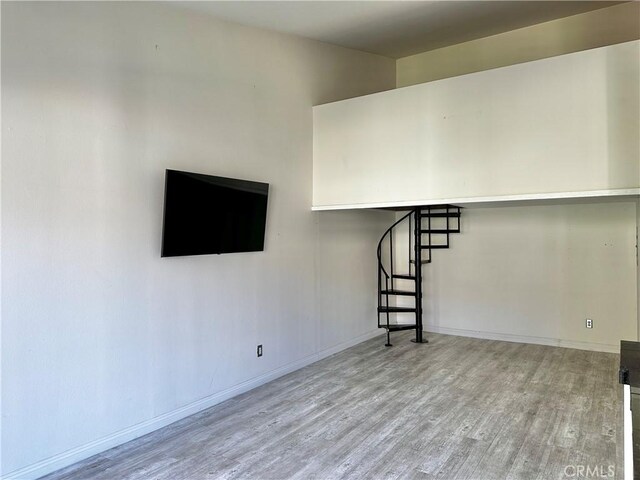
393	28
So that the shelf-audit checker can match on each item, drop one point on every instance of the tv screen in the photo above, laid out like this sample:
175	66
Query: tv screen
204	214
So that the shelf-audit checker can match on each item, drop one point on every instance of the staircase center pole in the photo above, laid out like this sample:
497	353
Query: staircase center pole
417	244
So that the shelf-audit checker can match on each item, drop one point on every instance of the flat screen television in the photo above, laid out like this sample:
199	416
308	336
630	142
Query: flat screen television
204	214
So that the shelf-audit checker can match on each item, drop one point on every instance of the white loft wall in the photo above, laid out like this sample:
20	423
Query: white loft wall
102	340
591	271
535	273
564	124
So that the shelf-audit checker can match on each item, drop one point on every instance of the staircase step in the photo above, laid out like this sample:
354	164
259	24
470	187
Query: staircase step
404	277
440	230
398	292
422	262
433	246
440	215
394	327
396	309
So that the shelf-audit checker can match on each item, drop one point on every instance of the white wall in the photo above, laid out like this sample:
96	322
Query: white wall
564	124
535	274
103	340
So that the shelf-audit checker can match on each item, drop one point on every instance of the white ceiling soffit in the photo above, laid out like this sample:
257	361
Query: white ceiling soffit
393	28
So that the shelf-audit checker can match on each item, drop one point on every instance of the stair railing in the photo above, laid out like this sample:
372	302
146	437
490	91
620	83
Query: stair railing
385	275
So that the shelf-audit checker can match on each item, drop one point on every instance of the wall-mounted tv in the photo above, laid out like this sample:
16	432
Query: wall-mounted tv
204	214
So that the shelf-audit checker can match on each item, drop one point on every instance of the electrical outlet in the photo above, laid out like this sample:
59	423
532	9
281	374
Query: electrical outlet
259	350
589	323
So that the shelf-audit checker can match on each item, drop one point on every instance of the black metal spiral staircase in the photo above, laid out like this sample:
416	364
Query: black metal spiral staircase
427	229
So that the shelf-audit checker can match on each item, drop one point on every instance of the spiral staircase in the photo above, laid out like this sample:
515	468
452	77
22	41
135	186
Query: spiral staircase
402	251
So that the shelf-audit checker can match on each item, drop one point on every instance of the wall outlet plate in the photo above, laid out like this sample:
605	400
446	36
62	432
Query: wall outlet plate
589	323
259	350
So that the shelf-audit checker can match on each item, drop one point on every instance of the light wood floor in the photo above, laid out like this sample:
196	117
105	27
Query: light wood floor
455	408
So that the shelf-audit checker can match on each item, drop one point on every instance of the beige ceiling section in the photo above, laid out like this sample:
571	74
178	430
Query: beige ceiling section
608	26
395	28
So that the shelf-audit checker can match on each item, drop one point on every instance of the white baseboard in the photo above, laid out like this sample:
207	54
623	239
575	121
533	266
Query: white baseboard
77	454
554	342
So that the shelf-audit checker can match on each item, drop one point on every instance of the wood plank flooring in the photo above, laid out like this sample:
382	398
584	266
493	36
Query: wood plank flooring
456	408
